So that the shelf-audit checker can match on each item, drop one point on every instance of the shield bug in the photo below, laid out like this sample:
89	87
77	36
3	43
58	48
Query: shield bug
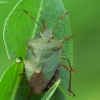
42	59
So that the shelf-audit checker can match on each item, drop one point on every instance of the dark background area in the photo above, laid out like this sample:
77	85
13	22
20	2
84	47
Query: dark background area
85	22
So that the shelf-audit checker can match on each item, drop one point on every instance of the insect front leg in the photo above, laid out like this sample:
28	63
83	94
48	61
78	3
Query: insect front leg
66	38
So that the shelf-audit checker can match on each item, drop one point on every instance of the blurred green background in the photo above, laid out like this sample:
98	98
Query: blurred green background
85	26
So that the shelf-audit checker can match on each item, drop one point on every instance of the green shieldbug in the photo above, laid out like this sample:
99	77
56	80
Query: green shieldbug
42	59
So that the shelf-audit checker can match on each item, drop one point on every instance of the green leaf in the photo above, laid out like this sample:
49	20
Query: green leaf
58	95
10	82
19	28
48	95
14	87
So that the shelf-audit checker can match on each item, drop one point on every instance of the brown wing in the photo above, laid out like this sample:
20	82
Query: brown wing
38	82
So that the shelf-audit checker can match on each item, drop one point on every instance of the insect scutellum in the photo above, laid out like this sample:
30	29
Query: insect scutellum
47	33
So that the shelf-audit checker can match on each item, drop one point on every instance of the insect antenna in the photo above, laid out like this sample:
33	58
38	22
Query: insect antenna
32	18
60	20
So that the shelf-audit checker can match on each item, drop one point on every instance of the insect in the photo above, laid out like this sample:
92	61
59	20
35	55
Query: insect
42	59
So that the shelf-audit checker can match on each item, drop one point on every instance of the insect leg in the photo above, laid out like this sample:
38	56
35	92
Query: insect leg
64	58
29	96
69	68
22	74
69	88
66	38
